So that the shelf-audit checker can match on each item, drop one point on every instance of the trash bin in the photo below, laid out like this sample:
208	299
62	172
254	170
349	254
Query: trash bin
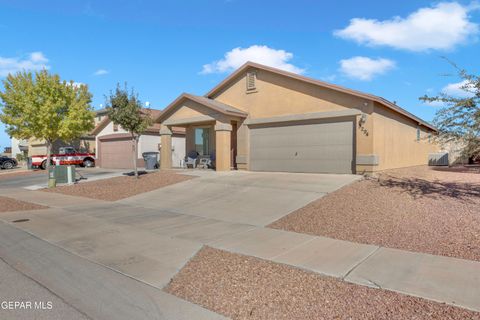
151	160
62	174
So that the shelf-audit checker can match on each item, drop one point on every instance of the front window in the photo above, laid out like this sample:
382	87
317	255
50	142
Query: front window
202	140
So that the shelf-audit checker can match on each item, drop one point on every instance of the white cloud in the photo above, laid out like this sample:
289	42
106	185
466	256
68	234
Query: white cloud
259	54
34	61
440	27
100	72
459	89
364	68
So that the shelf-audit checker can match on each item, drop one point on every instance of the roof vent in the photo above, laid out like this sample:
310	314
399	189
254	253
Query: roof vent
251	76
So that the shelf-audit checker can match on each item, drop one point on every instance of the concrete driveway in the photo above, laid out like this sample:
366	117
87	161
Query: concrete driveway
254	198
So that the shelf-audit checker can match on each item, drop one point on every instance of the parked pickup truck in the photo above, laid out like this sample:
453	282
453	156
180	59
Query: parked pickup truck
65	156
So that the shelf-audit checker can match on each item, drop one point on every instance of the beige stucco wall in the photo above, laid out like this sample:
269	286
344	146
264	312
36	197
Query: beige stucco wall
395	140
190	109
276	95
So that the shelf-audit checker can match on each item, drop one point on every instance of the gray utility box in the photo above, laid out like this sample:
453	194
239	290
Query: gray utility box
62	174
438	159
151	160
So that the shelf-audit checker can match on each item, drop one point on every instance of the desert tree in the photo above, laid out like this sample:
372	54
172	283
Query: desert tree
125	109
42	106
458	118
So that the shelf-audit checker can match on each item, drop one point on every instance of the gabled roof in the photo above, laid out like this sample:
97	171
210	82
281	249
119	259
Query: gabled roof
209	103
212	93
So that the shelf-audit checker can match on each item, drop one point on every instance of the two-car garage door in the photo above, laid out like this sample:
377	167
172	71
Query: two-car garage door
311	146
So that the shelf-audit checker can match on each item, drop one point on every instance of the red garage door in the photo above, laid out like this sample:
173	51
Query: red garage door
116	153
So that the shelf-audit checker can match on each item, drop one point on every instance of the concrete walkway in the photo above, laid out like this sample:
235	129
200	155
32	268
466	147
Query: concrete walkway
151	244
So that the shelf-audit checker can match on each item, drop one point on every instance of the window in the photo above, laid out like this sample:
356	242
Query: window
202	141
418	134
429	137
251	81
115	127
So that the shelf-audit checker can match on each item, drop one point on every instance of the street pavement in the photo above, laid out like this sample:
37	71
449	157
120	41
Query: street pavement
39	303
40	178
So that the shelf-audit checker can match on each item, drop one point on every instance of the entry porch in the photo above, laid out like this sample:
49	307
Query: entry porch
211	130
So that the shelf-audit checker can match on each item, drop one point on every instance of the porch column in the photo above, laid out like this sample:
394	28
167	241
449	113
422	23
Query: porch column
166	148
223	132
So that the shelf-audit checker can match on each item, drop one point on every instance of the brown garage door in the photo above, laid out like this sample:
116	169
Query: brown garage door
116	154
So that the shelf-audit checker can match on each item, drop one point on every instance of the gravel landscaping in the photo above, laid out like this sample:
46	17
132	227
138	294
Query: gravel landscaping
243	287
117	188
9	204
419	209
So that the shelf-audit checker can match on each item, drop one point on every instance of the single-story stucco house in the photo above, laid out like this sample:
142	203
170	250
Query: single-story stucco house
113	144
264	119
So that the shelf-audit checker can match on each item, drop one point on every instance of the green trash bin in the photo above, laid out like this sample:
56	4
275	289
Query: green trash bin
62	174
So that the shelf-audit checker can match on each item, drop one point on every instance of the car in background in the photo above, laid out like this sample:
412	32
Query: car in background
7	162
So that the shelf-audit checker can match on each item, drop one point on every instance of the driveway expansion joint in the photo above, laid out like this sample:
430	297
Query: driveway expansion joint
361	262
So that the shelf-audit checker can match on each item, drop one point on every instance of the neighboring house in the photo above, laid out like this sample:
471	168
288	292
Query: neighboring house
7	152
18	146
35	146
264	119
100	115
114	146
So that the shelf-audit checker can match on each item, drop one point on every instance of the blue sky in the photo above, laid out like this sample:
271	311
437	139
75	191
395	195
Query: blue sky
164	48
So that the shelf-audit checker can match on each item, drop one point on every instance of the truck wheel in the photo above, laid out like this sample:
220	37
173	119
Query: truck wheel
43	166
88	163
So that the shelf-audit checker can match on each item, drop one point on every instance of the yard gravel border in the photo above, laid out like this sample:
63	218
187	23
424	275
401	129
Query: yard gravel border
117	188
245	287
435	211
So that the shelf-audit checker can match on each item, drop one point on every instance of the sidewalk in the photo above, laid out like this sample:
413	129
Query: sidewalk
152	245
